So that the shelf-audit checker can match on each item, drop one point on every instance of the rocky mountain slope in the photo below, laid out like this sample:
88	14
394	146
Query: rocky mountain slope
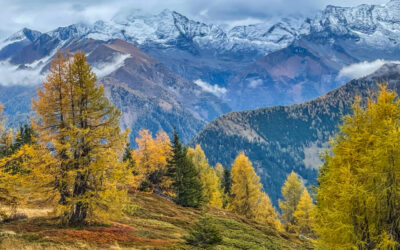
149	94
285	138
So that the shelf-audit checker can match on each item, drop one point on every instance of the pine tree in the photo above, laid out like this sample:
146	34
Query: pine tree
25	135
82	128
246	188
185	178
227	181
226	184
127	157
188	186
178	153
358	195
291	192
303	215
208	176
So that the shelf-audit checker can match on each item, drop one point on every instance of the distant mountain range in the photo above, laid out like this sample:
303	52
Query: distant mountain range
178	71
285	138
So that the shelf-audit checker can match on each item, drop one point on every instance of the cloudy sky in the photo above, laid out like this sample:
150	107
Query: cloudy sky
45	15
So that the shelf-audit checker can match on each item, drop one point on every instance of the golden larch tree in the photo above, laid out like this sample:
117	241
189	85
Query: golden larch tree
246	188
150	160
303	215
80	126
267	214
358	196
291	192
212	191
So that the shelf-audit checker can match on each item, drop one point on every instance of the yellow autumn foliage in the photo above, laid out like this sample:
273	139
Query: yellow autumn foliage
150	160
212	191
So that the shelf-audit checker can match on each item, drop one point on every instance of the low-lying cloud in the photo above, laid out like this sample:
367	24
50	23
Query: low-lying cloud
104	69
358	70
215	89
11	75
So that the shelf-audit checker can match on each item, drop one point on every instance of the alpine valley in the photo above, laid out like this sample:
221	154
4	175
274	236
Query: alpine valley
164	70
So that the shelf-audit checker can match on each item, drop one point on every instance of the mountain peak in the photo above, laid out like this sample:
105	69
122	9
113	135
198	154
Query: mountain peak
166	12
388	70
24	33
72	31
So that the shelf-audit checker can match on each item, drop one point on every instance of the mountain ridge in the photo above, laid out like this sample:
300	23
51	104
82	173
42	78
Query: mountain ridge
284	138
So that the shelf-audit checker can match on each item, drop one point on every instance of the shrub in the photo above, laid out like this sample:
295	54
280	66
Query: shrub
204	234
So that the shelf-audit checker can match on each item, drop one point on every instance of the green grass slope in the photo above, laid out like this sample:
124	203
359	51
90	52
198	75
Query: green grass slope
151	222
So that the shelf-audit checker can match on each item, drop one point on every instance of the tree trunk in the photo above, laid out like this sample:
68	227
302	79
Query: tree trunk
80	210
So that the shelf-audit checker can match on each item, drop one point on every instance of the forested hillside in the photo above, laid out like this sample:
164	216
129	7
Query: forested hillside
281	139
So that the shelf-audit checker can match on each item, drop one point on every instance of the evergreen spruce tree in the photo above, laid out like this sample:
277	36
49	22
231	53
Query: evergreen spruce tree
25	135
227	181
226	185
184	175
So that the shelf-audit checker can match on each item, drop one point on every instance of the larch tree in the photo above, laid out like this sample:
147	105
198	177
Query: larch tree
150	160
246	188
7	196
80	126
303	215
219	170
267	214
24	168
291	192
25	175
358	196
211	183
185	178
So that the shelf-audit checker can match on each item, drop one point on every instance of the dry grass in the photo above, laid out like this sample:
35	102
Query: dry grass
30	212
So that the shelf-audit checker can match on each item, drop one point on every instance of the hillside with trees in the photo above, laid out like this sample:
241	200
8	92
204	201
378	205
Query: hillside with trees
282	139
70	179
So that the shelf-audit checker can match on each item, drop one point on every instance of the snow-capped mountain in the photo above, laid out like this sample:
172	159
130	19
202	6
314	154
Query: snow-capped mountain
271	63
312	64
